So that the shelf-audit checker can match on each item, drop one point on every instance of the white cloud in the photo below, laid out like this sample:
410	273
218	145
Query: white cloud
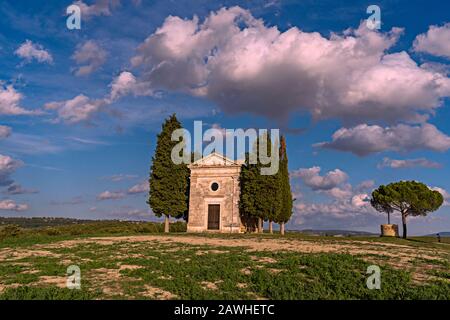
90	56
110	195
360	200
10	102
312	178
366	139
10	205
366	185
409	163
142	187
98	8
341	213
8	166
80	108
444	193
435	41
29	51
32	144
349	208
236	61
87	141
126	83
120	177
342	192
5	132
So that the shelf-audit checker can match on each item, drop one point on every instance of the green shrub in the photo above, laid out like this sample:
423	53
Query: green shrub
39	293
52	232
9	231
179	226
95	228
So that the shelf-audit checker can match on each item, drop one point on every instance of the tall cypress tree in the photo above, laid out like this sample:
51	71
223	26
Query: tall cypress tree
169	182
285	212
249	188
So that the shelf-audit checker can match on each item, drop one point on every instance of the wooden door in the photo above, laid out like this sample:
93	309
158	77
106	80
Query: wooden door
213	216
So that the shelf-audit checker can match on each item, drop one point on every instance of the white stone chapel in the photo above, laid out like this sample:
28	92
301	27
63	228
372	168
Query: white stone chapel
214	195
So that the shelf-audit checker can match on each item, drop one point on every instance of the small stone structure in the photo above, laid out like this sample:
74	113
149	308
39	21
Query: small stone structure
214	195
389	230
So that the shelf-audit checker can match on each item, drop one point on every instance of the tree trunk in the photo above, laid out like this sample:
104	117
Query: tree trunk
282	228
270	227
166	225
260	225
404	225
389	218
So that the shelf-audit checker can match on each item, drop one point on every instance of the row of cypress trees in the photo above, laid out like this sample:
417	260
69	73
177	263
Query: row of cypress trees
263	197
266	197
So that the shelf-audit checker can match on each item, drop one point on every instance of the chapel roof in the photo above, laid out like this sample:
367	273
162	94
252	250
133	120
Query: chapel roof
215	159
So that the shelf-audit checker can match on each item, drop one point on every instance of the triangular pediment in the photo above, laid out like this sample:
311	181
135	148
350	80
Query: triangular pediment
215	159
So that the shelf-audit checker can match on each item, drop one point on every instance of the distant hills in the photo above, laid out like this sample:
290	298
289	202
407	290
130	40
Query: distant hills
338	233
39	222
442	234
351	233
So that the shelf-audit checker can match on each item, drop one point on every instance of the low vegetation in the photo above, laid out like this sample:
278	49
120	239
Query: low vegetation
139	261
16	235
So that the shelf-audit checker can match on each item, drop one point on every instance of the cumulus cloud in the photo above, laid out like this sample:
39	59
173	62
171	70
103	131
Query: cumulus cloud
90	56
32	51
77	109
142	187
366	185
82	108
364	139
126	83
408	163
353	212
444	193
111	195
98	8
312	178
347	207
5	132
342	192
10	102
8	166
436	41
360	200
242	65
10	205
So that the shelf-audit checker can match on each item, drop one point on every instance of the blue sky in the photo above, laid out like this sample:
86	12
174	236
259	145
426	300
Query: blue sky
80	109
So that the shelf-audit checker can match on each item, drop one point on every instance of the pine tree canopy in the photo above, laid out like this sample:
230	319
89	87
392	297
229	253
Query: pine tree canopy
408	197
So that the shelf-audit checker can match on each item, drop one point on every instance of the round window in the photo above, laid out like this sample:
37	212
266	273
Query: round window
214	186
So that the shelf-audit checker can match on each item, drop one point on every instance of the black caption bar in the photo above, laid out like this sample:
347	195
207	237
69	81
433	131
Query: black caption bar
177	310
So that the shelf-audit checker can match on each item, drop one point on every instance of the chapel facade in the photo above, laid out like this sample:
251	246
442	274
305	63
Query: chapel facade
214	195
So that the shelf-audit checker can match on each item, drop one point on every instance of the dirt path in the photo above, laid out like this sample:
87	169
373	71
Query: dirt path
354	247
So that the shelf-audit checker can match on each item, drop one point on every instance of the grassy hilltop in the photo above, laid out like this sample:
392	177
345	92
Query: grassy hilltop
121	260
